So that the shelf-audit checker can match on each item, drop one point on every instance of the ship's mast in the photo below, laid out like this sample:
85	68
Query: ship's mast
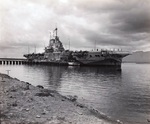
50	35
50	39
95	45
34	48
56	31
69	43
28	49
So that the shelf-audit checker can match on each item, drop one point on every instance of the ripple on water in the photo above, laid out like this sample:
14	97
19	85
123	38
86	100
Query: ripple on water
123	95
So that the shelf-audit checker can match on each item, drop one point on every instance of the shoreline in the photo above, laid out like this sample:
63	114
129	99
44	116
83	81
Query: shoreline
23	103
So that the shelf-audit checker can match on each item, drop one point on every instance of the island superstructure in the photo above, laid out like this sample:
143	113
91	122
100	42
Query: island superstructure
56	54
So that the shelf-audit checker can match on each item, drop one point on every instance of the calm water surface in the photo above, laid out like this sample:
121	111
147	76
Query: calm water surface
122	95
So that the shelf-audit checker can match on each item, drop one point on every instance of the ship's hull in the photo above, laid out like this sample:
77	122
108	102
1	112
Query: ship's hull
50	63
100	58
88	61
106	63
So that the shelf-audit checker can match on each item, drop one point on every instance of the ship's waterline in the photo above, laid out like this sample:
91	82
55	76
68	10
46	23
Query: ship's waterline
123	95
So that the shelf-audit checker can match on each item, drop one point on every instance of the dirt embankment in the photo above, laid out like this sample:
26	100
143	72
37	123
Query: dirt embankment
22	103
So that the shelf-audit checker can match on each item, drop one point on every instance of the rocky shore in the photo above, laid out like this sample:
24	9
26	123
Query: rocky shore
22	103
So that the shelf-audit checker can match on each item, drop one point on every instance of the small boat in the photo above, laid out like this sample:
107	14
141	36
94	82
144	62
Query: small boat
73	63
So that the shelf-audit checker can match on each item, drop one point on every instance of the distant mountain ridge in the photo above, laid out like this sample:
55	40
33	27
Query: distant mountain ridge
138	57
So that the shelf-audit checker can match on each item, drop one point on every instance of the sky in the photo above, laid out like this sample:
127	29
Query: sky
87	24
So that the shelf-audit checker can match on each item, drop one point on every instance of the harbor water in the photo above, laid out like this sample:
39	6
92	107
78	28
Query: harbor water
122	95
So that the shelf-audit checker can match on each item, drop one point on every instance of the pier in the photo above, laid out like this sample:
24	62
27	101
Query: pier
12	61
21	61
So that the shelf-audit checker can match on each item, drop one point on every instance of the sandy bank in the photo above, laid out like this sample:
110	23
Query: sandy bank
22	103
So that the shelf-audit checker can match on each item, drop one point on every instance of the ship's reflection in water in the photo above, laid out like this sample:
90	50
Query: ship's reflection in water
123	95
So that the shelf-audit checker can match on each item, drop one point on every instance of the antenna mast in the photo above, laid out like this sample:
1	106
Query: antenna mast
56	29
28	49
95	45
69	43
50	39
35	49
50	35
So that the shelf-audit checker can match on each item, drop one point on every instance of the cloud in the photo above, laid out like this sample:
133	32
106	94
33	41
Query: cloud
134	19
108	23
121	23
